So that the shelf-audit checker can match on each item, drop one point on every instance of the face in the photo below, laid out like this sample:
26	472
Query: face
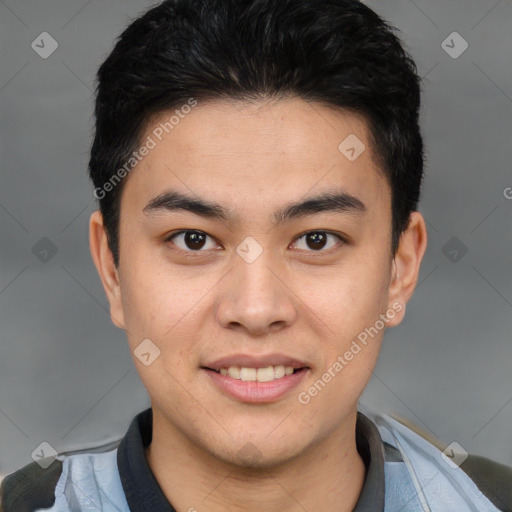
246	281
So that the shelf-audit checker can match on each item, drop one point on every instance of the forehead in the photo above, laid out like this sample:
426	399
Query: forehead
255	154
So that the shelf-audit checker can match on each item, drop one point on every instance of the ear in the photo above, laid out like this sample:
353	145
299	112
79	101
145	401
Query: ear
104	261
406	266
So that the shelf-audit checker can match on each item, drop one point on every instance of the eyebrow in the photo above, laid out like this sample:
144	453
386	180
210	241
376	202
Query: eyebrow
337	201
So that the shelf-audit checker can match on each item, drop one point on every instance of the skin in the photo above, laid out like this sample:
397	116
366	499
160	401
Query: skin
309	304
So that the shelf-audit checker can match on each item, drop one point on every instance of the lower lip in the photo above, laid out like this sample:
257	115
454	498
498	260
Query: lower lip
254	391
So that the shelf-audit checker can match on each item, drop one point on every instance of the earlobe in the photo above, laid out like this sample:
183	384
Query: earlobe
104	262
406	264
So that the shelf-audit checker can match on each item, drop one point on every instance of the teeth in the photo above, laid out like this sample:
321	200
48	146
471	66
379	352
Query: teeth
279	371
266	374
234	372
248	373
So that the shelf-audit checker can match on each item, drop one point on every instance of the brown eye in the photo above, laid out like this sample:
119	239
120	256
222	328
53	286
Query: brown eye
318	240
190	240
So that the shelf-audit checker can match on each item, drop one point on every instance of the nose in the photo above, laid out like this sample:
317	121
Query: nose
256	297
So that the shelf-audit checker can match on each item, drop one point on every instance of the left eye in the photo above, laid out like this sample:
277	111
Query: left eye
317	240
195	240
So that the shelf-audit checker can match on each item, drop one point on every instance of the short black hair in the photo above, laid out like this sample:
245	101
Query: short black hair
336	52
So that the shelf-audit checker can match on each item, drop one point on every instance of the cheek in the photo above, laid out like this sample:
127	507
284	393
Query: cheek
163	304
147	302
350	298
351	304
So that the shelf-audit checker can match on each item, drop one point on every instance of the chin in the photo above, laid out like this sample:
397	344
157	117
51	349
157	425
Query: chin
259	454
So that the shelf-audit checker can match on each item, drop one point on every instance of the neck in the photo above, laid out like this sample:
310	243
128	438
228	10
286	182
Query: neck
329	476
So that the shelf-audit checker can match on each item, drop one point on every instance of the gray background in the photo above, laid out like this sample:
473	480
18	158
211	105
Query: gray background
66	375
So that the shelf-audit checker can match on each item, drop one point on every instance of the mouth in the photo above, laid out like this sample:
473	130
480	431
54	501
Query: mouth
260	374
255	379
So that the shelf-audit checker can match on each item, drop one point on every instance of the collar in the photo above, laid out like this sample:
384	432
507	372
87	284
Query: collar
143	493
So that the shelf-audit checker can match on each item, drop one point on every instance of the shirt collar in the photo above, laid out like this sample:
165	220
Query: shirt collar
143	493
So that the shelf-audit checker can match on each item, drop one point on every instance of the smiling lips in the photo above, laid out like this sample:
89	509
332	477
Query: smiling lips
256	368
256	378
266	374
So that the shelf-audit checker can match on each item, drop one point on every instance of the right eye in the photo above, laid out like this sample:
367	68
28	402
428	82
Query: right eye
192	240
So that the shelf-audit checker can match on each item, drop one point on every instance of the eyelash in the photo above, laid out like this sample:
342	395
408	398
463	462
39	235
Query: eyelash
192	253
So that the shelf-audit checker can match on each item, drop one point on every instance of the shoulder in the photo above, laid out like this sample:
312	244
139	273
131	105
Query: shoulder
33	487
493	479
30	488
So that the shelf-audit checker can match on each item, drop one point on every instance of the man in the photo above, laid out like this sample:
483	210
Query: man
258	167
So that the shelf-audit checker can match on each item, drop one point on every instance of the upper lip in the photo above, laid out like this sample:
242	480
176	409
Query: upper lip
253	361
